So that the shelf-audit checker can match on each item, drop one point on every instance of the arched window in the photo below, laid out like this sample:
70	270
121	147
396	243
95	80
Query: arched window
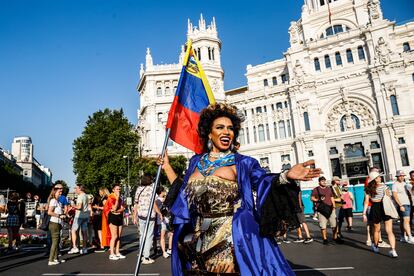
259	109
349	122
279	106
394	105
247	135
361	53
274	81
285	78
349	56
241	137
338	58
174	89
167	90
306	121
282	130
327	62
336	29
212	54
159	91
406	47
261	132
322	2
317	64
209	53
265	82
412	76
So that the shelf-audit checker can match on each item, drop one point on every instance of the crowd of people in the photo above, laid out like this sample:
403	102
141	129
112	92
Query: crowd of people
99	220
223	190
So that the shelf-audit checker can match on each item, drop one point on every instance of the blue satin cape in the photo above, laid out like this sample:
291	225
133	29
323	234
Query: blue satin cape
255	255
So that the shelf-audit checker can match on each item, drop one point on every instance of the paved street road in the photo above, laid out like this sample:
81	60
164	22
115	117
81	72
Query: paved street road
351	258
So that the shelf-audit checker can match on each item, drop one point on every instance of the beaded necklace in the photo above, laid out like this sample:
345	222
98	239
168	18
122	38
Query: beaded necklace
207	167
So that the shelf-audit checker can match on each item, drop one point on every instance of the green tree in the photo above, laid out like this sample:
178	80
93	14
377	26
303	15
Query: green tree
98	152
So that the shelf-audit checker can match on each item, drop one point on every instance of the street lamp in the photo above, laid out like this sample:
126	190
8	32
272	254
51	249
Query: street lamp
127	157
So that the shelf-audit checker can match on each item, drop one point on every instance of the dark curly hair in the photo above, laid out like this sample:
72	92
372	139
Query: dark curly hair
212	112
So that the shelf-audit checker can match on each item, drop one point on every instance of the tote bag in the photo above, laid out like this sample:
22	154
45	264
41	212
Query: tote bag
389	208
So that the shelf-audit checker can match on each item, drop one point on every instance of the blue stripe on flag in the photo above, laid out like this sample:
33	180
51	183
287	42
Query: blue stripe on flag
191	92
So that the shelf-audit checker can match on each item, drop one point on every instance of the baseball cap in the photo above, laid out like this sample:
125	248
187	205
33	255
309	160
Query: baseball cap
399	173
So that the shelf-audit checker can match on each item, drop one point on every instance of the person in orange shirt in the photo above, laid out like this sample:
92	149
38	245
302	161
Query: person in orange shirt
106	233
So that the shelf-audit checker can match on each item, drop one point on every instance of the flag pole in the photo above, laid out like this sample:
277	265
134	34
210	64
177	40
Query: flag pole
143	236
155	185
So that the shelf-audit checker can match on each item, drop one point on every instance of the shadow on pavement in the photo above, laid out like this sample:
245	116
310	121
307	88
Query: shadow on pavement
304	270
27	261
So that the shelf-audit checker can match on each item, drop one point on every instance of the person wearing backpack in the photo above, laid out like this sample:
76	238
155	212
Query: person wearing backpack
323	197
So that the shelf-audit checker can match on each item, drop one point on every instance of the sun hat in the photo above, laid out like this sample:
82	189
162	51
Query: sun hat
373	175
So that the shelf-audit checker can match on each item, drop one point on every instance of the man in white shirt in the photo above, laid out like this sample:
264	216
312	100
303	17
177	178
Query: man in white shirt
80	220
400	195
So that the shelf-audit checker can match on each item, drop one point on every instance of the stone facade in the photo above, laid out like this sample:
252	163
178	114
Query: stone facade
342	94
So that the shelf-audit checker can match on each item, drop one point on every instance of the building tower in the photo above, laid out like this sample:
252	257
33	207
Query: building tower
22	149
207	47
158	83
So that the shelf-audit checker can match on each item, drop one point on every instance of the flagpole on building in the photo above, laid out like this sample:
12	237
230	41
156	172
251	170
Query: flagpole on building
143	236
330	16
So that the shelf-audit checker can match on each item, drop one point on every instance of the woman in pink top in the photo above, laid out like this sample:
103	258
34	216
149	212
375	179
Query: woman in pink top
348	206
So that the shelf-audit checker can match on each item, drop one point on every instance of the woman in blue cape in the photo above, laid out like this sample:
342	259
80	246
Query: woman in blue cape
227	209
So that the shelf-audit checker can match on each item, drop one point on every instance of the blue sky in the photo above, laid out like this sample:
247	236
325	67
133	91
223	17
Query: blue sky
60	61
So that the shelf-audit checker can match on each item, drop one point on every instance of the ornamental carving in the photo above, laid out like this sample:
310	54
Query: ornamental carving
388	89
260	118
349	115
302	106
293	33
216	86
382	52
374	10
298	73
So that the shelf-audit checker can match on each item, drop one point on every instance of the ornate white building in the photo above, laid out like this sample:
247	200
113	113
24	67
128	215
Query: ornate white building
343	94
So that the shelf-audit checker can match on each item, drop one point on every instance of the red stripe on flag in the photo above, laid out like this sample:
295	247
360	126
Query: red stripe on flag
183	126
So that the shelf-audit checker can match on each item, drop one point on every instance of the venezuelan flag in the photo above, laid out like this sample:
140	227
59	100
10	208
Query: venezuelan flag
193	95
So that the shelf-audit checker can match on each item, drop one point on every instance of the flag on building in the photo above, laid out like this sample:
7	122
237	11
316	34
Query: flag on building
193	95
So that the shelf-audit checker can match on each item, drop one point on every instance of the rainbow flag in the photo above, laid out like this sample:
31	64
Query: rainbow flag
193	95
